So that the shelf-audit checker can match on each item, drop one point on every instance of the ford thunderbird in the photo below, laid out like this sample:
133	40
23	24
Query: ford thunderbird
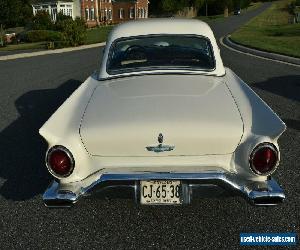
164	118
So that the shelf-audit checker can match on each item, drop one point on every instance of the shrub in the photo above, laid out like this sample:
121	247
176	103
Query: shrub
43	35
2	37
61	17
14	40
59	44
41	21
74	31
2	41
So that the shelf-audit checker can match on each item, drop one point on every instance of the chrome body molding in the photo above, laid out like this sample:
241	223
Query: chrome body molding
266	192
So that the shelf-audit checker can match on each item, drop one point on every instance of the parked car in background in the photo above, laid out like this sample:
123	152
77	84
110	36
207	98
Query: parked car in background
9	37
237	12
165	118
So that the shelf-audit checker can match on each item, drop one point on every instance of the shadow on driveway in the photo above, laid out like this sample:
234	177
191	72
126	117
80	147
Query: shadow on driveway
23	149
287	87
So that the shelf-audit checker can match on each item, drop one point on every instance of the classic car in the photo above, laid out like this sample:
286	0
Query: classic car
164	118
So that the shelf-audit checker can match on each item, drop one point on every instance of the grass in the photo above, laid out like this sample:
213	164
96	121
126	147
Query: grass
98	35
24	46
95	35
271	31
210	18
252	6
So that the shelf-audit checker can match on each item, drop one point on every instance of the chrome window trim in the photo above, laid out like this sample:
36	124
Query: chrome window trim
135	70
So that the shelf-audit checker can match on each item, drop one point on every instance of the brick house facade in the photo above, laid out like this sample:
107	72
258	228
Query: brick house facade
95	12
89	10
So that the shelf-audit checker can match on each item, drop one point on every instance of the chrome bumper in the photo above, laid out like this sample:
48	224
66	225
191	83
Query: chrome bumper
257	193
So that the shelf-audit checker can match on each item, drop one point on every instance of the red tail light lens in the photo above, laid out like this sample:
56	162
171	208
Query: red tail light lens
264	158
60	161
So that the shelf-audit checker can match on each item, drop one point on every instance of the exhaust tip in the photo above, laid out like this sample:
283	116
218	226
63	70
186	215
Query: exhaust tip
58	203
267	201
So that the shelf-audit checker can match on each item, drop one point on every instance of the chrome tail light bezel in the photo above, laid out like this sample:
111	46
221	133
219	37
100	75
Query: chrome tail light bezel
255	150
68	153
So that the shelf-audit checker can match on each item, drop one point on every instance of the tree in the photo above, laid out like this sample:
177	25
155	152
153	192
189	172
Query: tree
173	6
42	21
197	3
1	36
15	12
227	5
74	31
60	21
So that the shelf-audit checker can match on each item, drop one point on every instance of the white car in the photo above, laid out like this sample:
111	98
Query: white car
166	119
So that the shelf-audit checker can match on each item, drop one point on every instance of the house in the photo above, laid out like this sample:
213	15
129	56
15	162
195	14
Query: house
95	12
67	7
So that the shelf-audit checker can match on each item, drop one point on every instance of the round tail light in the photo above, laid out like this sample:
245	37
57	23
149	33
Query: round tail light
60	161
264	159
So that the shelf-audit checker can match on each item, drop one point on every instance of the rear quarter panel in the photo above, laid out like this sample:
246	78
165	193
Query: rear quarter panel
261	123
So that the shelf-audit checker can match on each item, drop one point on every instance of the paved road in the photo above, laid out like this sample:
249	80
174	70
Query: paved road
31	89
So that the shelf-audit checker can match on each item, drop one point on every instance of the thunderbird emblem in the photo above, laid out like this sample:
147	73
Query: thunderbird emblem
160	147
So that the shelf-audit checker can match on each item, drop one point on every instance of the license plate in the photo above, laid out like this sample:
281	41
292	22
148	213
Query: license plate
161	192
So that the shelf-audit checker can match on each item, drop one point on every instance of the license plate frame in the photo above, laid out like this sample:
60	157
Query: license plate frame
168	195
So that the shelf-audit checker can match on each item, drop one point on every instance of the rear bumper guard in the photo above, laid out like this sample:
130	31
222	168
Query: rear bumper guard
256	192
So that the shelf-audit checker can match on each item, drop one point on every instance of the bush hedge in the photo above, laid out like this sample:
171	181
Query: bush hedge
41	21
73	31
42	35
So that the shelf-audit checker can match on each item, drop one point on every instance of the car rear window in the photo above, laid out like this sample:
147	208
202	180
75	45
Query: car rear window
145	53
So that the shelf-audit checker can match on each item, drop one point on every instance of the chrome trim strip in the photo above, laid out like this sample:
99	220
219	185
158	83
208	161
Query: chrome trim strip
256	192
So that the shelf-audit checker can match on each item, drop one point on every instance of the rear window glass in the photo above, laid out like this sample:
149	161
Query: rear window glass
160	52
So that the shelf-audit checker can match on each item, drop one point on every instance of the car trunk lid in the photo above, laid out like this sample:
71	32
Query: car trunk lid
195	115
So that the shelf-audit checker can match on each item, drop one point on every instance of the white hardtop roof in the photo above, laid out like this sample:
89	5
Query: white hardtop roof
162	26
169	26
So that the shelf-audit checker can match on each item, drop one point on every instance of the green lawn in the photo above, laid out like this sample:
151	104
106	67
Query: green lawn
271	31
95	35
24	46
252	6
210	18
98	35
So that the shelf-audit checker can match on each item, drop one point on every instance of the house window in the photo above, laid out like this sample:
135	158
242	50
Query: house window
92	14
101	15
121	13
109	14
131	12
139	13
142	13
87	17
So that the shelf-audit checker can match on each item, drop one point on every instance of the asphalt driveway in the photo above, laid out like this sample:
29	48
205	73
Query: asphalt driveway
30	91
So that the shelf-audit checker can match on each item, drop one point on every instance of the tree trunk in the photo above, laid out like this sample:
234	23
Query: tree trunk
226	11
